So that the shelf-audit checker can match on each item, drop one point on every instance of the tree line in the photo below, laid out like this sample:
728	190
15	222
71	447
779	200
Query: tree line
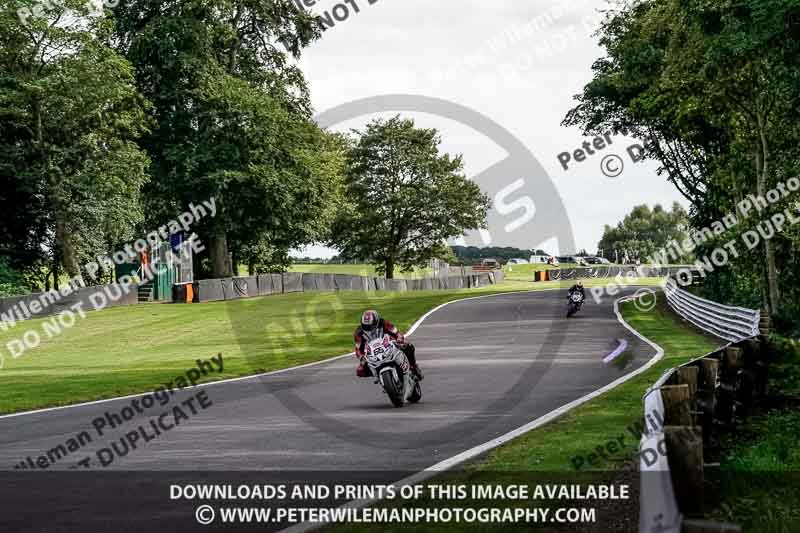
715	86
644	232
111	124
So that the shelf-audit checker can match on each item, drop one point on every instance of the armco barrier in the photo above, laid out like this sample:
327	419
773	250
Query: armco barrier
695	403
724	321
600	272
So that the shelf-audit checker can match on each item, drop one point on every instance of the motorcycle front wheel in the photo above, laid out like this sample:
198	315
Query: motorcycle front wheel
393	389
416	394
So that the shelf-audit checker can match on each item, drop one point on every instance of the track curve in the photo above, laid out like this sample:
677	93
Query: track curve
492	364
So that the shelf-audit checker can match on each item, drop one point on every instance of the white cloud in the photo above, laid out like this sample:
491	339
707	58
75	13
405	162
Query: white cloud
398	46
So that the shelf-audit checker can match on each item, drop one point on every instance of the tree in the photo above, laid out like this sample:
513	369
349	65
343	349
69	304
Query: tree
405	199
233	122
11	282
716	86
474	255
644	231
71	117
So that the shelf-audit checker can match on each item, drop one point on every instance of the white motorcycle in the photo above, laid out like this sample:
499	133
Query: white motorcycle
575	302
391	368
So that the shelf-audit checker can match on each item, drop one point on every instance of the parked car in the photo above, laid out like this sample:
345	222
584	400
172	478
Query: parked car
517	261
593	260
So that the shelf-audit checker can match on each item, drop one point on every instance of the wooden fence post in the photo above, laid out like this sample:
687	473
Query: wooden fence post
687	375
685	455
709	370
677	405
734	358
764	323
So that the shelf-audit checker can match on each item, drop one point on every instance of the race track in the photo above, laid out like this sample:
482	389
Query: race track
491	364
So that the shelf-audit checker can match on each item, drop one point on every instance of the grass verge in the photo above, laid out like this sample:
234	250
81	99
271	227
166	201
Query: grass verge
134	349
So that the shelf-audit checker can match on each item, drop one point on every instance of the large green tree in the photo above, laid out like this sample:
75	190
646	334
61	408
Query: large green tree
716	85
405	198
70	116
232	121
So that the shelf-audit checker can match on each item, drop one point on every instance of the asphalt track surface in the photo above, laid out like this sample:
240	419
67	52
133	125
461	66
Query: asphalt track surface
491	364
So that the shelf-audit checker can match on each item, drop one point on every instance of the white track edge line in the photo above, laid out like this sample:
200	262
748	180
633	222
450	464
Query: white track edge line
464	456
411	330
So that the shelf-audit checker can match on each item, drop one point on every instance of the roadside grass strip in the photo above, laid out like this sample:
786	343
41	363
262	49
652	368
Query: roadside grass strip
130	350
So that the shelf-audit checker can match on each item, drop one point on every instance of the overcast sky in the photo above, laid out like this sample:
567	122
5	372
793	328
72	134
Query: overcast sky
519	63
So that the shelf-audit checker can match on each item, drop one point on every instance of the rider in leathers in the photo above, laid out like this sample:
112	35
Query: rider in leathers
374	327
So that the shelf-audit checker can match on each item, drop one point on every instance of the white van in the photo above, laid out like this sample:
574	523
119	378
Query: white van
540	259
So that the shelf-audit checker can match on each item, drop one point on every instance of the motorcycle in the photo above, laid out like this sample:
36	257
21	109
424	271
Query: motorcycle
575	301
391	368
